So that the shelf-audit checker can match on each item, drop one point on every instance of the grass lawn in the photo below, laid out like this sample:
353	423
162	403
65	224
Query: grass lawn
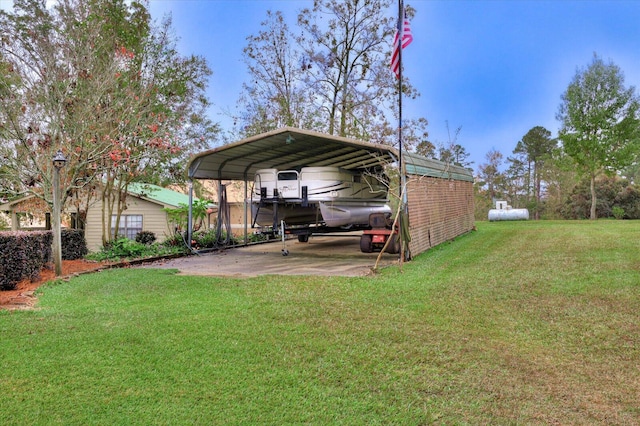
516	323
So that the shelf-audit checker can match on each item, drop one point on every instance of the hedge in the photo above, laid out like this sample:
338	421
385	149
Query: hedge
23	254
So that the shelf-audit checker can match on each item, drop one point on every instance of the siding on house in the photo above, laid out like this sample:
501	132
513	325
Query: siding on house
143	199
154	219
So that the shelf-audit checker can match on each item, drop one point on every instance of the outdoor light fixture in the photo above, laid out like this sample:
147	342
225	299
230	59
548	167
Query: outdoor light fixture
59	160
290	140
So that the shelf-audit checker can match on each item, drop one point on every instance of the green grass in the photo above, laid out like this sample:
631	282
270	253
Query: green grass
516	323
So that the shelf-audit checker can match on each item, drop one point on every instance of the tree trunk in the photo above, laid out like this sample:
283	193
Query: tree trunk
537	182
593	197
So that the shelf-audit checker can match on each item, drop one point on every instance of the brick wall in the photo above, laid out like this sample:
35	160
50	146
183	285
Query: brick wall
440	209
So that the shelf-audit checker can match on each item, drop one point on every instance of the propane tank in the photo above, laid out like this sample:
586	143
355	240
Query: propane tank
503	211
508	214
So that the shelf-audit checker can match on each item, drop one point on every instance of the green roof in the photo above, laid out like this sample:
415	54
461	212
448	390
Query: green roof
158	194
422	166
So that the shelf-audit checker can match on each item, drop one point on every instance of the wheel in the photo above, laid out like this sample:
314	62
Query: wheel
303	238
394	244
365	243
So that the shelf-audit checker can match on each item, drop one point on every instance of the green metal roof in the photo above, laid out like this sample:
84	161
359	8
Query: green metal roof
290	148
158	194
422	166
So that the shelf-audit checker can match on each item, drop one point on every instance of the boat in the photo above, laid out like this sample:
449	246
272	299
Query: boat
317	196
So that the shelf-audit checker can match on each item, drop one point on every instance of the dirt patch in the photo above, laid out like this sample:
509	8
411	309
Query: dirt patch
23	297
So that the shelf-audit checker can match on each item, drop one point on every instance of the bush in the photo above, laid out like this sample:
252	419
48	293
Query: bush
628	199
23	255
176	240
74	246
205	239
208	239
124	248
611	192
618	212
145	237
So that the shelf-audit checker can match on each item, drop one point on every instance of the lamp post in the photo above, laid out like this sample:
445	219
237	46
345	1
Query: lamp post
58	162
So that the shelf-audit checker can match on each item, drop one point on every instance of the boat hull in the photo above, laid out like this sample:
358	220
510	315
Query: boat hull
344	213
325	196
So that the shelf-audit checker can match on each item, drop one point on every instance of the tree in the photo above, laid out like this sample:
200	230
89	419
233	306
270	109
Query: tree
452	152
517	181
600	122
632	172
490	175
336	77
346	46
560	177
98	81
536	147
276	96
416	138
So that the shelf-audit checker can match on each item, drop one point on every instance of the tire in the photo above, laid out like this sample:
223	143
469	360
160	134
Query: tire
394	244
365	243
303	238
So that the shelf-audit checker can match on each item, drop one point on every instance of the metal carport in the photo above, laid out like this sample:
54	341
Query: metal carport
291	148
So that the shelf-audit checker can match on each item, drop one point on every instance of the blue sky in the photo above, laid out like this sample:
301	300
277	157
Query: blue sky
496	68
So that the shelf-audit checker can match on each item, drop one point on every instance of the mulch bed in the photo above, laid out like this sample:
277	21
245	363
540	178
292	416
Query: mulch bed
23	297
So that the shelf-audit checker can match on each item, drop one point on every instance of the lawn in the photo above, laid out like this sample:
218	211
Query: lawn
515	323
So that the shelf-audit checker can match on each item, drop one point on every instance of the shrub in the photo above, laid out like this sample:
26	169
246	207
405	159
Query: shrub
618	212
256	238
179	216
176	240
74	245
611	192
22	255
124	248
145	237
205	239
629	200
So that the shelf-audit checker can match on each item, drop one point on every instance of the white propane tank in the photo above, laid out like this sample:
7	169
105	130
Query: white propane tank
503	211
508	214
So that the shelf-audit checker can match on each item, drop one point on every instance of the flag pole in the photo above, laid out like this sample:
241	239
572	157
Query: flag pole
400	30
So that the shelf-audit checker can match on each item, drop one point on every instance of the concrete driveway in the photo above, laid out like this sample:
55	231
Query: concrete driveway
330	255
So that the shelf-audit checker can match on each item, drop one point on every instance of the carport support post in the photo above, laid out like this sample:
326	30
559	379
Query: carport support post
246	194
190	216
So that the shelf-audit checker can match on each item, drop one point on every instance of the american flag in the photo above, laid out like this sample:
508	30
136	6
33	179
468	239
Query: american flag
407	38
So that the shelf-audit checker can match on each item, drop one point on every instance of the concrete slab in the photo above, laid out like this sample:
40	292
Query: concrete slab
328	255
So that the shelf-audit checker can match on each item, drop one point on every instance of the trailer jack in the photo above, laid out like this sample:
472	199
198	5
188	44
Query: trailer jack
285	252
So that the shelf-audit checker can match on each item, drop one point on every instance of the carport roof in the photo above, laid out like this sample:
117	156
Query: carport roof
288	148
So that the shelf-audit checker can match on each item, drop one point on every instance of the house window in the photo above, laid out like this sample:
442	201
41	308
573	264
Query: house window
130	225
